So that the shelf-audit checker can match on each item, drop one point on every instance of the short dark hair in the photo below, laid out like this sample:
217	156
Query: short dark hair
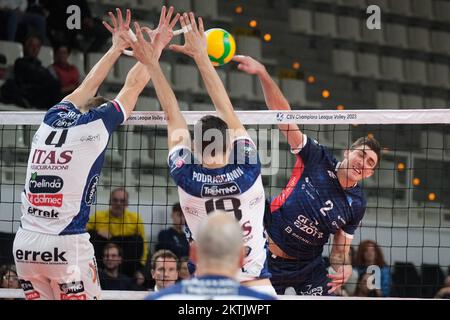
112	245
165	254
177	207
211	123
370	142
95	102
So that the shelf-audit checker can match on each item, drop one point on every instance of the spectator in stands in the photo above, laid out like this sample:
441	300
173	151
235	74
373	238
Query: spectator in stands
164	269
66	73
444	293
8	277
174	238
110	276
31	80
370	254
183	268
13	13
123	227
365	287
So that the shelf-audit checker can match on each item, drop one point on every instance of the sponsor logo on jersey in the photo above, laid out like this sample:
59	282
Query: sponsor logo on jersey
92	190
51	160
49	257
43	213
211	190
45	200
33	295
246	229
255	201
90	138
64	296
191	211
26	285
45	184
72	287
308	227
309	291
248	250
66	119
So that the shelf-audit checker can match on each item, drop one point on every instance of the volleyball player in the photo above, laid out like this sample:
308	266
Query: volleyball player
52	252
321	198
222	175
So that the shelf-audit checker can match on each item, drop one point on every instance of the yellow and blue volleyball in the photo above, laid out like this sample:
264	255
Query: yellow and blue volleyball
221	46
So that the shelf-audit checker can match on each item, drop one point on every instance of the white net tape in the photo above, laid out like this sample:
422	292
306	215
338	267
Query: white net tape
406	116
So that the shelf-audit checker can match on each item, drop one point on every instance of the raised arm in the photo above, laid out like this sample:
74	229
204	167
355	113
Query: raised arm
96	76
195	47
275	99
340	260
138	76
148	54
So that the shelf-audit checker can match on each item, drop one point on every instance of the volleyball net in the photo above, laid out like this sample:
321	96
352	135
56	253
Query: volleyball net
408	211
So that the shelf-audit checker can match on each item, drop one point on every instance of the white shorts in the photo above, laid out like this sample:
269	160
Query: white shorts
52	267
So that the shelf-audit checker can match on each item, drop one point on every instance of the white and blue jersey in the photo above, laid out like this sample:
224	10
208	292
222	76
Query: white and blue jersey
235	188
64	165
313	205
209	288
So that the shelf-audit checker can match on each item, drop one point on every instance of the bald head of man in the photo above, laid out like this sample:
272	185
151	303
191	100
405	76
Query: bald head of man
218	249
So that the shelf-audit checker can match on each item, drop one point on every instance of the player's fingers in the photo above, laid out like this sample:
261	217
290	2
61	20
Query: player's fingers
119	17
162	17
201	28
139	35
113	19
177	48
128	18
148	31
108	27
174	21
238	58
193	22
335	276
169	15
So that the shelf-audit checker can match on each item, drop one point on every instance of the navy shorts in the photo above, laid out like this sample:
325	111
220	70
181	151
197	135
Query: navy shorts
305	277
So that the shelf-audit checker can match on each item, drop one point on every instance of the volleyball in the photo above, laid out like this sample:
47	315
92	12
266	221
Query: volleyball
221	46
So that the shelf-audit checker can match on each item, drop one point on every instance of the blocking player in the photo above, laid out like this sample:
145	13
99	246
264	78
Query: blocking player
222	175
52	252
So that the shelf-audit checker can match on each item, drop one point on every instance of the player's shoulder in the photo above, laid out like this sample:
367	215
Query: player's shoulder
62	115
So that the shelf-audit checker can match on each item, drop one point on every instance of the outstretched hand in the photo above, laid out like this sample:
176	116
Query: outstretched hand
194	37
249	65
120	29
163	34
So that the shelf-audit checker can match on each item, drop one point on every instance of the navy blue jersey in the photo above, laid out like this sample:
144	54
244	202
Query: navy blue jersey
313	205
208	288
64	167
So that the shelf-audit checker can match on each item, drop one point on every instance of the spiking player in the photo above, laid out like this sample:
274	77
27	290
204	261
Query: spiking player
321	198
228	177
52	252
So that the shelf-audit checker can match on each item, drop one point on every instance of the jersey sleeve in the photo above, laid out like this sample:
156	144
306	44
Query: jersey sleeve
354	223
311	152
180	161
244	152
112	113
